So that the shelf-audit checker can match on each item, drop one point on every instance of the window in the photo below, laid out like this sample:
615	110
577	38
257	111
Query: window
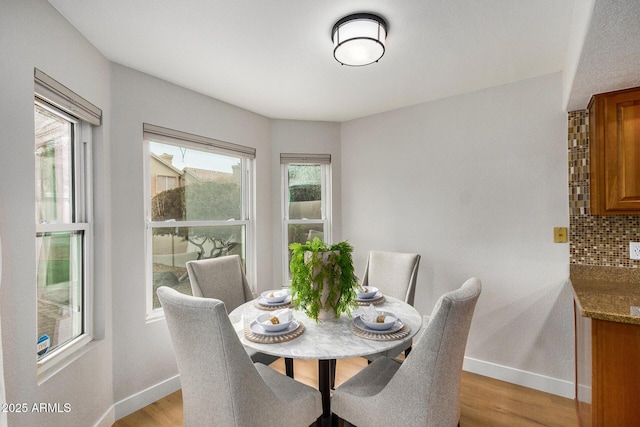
306	186
165	183
199	205
64	229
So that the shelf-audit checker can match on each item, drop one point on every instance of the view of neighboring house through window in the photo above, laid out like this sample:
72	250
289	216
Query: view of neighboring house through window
164	183
306	182
64	229
199	204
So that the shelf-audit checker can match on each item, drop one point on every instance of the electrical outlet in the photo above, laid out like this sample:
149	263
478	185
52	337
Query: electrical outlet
634	250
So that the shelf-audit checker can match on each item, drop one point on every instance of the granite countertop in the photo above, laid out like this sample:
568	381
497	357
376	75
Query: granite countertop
607	293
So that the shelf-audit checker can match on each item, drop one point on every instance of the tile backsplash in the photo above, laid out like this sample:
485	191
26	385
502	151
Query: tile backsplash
593	240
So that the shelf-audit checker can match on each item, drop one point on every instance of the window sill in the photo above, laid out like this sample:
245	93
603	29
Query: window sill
57	361
154	316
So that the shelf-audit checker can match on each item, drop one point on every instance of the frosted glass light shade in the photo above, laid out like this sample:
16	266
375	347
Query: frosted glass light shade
359	39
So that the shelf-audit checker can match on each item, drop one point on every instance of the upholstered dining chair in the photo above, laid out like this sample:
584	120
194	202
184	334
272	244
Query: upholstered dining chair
223	278
424	390
220	384
394	274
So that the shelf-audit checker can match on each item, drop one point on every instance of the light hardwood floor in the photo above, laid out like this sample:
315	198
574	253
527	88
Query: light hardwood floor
484	401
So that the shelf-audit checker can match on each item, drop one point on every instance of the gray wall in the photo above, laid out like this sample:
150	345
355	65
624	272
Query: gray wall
143	356
295	136
33	34
475	184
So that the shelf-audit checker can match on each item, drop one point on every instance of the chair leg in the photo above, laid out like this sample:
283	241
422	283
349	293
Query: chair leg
407	351
288	366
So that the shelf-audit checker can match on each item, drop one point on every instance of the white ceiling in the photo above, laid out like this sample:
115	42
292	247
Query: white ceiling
275	57
610	56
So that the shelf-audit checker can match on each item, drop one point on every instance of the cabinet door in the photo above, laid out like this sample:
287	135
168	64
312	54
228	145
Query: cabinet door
615	373
615	152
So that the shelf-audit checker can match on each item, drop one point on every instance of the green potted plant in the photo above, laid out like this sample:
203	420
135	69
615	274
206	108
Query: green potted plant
323	283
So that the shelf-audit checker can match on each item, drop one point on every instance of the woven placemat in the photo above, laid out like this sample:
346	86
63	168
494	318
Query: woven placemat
376	301
397	335
273	339
270	307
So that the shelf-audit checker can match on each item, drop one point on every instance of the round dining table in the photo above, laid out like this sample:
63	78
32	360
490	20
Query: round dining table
330	339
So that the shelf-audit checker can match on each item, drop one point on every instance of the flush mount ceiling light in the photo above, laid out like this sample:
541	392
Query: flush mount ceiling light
359	39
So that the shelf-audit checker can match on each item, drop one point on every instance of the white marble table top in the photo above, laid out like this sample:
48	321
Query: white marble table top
330	339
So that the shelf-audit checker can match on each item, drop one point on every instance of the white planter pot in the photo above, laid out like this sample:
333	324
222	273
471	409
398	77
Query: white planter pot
326	311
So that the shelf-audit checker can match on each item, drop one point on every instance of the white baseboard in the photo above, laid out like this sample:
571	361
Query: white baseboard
584	391
146	397
522	378
504	373
107	419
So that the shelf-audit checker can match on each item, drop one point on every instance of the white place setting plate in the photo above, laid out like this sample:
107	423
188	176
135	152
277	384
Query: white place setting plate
366	292
377	295
395	328
275	296
256	328
263	301
275	321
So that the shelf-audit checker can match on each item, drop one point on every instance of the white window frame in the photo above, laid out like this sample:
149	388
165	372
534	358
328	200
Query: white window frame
324	161
82	221
247	156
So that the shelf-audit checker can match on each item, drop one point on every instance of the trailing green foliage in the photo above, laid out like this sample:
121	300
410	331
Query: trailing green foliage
308	274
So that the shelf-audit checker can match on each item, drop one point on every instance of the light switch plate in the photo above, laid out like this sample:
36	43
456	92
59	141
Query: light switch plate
560	234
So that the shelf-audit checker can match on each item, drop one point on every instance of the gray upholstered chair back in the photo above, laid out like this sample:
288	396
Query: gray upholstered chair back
424	390
220	384
431	374
221	278
394	273
215	372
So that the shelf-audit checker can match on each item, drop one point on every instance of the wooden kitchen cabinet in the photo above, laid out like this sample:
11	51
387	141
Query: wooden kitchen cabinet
614	145
607	372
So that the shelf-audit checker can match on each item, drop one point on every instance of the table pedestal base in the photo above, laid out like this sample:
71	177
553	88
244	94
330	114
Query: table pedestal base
326	372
